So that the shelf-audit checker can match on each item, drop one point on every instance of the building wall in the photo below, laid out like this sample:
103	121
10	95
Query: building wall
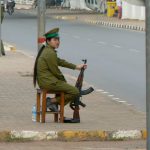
130	11
136	2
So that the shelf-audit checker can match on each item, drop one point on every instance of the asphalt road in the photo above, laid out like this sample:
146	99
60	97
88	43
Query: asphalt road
116	57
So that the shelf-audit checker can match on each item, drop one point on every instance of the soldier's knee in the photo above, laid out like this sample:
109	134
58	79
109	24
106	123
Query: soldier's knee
76	92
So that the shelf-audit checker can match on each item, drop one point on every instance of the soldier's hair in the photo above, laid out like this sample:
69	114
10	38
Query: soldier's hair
35	65
48	39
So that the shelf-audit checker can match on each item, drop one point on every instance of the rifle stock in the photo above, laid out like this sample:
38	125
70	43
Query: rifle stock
87	91
78	101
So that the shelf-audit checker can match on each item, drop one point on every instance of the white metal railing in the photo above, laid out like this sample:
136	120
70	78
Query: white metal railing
28	2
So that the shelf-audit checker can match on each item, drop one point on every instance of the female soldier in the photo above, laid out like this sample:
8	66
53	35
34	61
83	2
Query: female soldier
48	75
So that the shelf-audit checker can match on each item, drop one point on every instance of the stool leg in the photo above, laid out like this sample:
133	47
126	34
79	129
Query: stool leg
43	106
38	107
55	117
62	108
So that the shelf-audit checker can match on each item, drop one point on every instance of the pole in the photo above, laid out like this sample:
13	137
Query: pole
2	51
41	20
148	71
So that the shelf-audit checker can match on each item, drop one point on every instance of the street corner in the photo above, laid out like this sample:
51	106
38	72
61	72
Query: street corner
9	47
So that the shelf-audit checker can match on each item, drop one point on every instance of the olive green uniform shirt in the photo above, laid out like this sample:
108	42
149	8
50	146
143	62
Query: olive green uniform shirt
48	72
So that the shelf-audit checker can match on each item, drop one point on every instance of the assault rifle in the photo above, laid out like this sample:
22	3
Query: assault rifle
77	102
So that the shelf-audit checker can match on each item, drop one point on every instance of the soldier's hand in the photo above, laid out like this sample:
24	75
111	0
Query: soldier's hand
79	67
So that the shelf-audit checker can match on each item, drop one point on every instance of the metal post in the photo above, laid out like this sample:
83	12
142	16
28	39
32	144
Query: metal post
148	71
41	20
2	51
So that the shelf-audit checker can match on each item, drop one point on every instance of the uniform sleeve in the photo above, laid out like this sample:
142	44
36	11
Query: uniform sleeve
51	60
64	63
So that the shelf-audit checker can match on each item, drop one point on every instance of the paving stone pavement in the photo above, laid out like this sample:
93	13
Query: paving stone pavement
17	96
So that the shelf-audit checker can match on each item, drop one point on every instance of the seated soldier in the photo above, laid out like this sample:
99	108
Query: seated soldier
47	73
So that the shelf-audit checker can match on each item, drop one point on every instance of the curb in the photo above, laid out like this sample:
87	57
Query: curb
65	17
12	48
9	47
117	25
104	23
70	135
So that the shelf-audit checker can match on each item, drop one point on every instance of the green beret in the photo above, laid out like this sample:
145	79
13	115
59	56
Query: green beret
52	33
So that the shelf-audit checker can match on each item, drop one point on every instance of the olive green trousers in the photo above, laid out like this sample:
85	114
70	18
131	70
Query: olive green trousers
70	92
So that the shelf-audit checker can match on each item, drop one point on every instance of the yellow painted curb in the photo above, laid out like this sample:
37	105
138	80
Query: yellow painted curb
102	135
144	134
68	134
82	135
73	135
5	135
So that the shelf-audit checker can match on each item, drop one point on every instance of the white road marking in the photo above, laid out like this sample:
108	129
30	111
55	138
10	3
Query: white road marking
111	95
104	92
117	46
122	101
115	98
99	90
101	42
134	50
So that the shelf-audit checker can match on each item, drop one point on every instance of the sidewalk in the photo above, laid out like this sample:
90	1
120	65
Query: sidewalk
91	18
102	116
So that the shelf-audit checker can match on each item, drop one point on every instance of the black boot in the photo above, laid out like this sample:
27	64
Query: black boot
52	106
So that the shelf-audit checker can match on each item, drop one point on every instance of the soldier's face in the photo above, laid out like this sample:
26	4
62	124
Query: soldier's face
54	42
